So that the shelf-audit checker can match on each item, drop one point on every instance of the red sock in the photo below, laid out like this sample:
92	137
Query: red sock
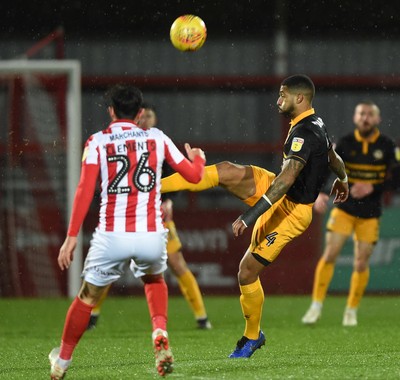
157	300
75	325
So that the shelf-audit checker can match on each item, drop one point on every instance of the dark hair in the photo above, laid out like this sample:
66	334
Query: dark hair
369	103
302	83
126	100
149	106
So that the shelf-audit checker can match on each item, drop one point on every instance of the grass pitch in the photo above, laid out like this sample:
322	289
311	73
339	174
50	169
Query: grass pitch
120	347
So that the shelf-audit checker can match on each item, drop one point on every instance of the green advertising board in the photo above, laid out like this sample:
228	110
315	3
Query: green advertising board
385	260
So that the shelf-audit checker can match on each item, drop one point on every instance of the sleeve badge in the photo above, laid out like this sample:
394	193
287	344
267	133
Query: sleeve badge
297	144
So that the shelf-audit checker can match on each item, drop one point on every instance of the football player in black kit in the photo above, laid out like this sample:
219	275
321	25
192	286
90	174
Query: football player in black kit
281	204
368	155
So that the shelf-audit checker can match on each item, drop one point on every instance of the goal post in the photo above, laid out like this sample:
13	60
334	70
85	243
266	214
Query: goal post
28	71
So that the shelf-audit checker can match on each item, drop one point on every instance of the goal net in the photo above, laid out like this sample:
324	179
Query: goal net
40	149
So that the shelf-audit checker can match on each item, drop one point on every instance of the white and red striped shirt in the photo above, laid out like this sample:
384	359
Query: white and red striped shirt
129	160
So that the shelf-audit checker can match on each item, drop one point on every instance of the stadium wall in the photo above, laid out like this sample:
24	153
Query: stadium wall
222	98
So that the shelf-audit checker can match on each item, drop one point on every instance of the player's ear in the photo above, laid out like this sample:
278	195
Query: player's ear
299	98
139	115
111	112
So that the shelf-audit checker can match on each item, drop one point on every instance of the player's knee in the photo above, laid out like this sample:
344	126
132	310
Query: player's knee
330	259
224	165
90	294
179	269
229	173
330	254
223	169
246	276
361	264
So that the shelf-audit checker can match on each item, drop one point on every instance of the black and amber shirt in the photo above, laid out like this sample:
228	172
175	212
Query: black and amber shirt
308	142
367	160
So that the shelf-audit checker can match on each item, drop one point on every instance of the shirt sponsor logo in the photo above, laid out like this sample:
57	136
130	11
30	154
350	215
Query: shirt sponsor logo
297	144
128	134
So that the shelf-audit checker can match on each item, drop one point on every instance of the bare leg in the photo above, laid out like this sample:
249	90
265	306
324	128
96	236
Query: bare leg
237	179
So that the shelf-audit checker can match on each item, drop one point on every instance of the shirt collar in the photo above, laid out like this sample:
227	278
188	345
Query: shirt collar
303	115
371	138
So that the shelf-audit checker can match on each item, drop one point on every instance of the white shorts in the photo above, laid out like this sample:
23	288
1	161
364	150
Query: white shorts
110	251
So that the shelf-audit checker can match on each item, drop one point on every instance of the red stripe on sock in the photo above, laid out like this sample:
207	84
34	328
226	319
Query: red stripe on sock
75	325
157	300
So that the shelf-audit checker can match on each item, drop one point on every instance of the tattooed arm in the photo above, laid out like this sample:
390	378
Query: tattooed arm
285	179
279	187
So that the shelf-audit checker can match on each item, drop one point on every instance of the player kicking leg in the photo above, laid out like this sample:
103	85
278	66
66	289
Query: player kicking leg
237	179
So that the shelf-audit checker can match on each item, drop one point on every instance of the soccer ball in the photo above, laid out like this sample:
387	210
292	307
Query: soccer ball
188	33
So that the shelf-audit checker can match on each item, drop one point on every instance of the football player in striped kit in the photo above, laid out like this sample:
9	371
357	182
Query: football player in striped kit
128	160
176	262
368	156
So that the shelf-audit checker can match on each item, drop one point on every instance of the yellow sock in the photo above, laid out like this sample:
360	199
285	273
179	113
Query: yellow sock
358	283
252	300
97	308
191	291
176	182
322	279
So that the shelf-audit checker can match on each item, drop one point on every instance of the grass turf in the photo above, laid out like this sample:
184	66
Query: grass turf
120	347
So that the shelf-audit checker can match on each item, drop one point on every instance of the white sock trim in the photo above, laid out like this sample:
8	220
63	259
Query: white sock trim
64	363
158	332
316	305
